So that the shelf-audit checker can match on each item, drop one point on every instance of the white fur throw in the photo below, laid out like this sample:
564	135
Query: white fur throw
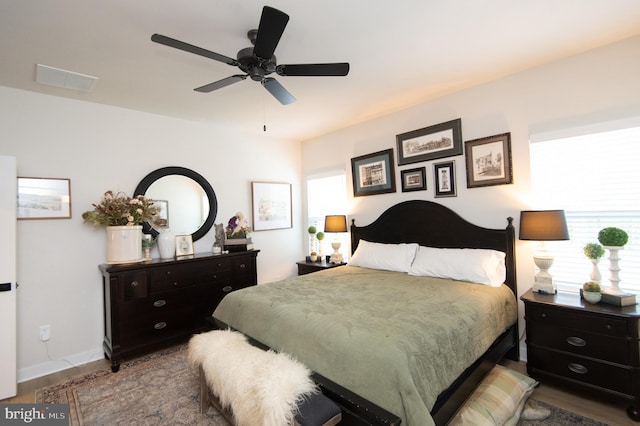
262	388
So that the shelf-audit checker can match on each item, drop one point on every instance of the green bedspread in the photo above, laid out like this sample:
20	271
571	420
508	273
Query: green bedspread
394	339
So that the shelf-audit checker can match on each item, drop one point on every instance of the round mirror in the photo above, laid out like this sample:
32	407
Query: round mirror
188	204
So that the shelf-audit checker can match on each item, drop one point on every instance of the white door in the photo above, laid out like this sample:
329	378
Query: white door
8	351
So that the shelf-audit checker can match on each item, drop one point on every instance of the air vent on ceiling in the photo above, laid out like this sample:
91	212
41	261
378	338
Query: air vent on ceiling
65	79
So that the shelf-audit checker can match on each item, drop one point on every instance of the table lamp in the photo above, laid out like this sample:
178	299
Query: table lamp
335	224
543	225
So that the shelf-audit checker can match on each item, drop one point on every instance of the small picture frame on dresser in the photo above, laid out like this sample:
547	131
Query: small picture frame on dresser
184	245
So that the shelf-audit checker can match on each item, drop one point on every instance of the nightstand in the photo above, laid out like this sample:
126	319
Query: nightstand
593	348
305	267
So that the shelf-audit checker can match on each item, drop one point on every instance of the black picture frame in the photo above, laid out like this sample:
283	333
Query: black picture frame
373	173
445	179
430	143
414	179
488	161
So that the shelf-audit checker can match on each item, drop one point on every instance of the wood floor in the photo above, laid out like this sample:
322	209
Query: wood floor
607	412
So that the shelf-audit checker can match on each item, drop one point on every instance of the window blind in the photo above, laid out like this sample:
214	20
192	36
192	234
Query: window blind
595	178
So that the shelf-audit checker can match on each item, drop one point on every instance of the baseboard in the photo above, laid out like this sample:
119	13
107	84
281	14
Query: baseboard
56	365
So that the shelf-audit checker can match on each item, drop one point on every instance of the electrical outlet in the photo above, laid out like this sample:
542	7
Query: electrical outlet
45	332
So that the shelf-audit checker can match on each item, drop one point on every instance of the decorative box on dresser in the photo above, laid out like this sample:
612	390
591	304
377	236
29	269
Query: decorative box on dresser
594	348
161	302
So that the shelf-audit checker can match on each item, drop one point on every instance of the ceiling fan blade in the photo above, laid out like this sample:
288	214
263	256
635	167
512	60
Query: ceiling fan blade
272	25
220	83
338	69
278	92
171	42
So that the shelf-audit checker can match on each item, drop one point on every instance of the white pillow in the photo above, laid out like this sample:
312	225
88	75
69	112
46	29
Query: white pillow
390	257
475	265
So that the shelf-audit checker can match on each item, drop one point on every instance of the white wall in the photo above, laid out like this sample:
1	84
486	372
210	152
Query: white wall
99	148
599	85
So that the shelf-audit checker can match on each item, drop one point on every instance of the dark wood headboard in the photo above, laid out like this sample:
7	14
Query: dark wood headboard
434	225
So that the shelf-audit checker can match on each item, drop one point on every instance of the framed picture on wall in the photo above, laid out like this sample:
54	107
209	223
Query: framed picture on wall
414	179
430	143
44	198
489	161
445	179
373	173
271	205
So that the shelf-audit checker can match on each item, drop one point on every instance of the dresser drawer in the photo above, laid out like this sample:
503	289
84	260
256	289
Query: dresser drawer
616	378
166	302
134	285
170	278
155	327
579	342
605	325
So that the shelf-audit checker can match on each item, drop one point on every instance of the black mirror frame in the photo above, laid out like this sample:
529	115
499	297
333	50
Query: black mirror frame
149	179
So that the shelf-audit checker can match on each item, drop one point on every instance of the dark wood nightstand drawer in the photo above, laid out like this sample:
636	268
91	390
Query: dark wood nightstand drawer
579	342
586	370
606	325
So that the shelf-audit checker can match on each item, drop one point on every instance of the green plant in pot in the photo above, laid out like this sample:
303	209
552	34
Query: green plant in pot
594	252
312	235
591	292
613	239
320	237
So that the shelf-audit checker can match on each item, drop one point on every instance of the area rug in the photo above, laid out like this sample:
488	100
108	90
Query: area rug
560	417
161	389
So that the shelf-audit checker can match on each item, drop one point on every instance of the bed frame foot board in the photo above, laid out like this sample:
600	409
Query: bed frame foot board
454	397
356	411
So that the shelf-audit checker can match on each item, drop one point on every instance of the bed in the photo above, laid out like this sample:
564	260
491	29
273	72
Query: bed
391	346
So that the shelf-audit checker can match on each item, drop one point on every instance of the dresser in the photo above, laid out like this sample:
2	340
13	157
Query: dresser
161	302
593	348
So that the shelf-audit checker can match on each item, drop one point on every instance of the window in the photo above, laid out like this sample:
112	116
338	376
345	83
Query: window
327	195
595	178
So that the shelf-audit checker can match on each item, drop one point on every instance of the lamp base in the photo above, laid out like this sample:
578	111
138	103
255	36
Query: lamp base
336	258
544	288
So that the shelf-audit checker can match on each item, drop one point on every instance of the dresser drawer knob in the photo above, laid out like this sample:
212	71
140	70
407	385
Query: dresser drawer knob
227	288
578	368
608	327
543	315
160	325
134	283
242	266
159	303
576	341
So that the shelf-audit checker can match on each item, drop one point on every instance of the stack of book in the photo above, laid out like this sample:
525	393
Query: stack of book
626	299
238	244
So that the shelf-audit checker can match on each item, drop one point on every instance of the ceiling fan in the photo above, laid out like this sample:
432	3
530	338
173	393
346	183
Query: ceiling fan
259	61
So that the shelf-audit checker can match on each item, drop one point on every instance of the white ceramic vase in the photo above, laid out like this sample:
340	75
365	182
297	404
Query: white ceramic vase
166	243
595	275
592	296
124	244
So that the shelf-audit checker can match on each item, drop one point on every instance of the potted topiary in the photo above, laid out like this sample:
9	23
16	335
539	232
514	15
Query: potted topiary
592	292
312	235
320	237
613	239
594	252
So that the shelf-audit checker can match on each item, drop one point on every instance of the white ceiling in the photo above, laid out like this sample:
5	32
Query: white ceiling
401	52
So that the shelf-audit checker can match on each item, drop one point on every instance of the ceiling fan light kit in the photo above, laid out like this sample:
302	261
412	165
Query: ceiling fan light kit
258	62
